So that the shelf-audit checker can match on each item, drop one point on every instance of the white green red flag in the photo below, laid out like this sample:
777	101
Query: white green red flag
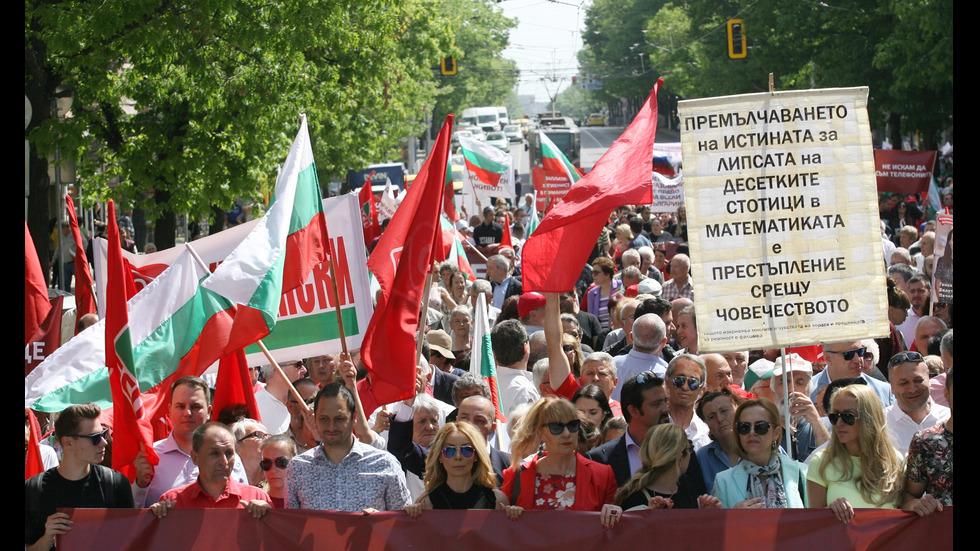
555	161
483	363
489	172
532	218
452	243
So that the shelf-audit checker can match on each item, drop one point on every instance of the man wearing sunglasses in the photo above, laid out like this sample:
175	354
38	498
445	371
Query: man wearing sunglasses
686	375
914	409
271	400
846	359
78	482
214	454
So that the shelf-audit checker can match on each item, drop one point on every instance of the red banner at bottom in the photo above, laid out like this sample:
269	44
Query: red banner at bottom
759	530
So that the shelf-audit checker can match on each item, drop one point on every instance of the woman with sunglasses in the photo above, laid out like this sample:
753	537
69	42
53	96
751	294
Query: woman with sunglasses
860	467
557	478
665	454
763	477
458	473
276	452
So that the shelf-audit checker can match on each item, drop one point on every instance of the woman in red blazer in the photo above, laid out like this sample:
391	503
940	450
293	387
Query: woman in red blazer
557	478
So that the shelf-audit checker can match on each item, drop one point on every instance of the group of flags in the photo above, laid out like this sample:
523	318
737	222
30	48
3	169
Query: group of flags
187	318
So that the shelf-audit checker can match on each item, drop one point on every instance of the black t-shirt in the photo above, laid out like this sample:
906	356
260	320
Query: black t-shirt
488	235
46	492
477	497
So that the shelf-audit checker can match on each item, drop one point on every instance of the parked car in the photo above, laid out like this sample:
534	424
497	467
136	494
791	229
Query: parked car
498	140
478	133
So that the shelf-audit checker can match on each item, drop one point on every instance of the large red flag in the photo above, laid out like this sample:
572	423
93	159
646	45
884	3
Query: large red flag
84	286
404	255
369	213
36	302
234	386
131	431
46	339
554	255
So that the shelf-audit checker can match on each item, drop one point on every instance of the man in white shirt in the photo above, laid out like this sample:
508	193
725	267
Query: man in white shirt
914	409
272	399
685	379
510	350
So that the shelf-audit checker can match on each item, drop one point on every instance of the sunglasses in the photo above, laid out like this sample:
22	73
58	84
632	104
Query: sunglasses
848	417
95	438
761	427
849	355
648	377
900	358
568	348
266	464
692	383
258	435
556	428
465	452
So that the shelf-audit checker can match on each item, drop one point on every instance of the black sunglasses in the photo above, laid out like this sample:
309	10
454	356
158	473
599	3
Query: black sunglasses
761	427
266	464
567	347
465	451
902	357
649	377
95	438
691	382
849	354
848	417
257	434
556	428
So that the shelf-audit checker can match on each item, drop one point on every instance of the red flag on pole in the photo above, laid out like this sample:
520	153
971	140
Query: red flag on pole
131	431
369	213
84	286
505	242
33	465
404	255
36	301
46	339
554	255
234	386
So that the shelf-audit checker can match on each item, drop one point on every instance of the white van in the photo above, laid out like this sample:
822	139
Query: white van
502	116
487	118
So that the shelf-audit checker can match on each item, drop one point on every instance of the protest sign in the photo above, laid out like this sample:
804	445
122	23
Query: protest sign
550	187
904	171
782	219
668	193
942	269
307	322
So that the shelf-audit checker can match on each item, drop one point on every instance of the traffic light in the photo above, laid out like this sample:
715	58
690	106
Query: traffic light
737	48
448	66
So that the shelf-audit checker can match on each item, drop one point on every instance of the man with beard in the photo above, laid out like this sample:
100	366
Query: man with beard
806	430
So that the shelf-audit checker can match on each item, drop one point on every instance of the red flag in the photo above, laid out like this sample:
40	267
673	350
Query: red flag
369	213
404	255
36	302
554	254
84	287
33	465
131	431
234	386
46	339
505	242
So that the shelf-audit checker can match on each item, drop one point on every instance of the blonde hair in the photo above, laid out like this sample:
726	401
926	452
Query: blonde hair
659	453
882	477
548	409
435	472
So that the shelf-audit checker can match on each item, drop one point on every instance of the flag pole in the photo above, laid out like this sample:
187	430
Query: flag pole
336	298
279	370
422	316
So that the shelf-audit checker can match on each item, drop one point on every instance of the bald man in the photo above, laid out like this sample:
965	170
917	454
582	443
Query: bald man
719	372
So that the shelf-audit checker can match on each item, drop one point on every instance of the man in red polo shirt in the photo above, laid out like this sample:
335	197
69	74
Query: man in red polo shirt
214	454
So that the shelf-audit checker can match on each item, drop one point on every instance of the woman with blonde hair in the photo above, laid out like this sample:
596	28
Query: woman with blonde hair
458	473
557	478
860	467
665	454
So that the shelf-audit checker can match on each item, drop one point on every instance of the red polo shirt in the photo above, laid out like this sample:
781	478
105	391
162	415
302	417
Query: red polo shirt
193	496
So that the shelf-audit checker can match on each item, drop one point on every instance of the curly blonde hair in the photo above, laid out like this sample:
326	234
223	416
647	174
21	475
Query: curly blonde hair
882	477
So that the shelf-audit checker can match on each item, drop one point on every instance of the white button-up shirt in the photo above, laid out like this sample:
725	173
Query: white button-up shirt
901	427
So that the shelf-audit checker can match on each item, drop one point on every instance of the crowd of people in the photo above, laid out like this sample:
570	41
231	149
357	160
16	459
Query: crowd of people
604	403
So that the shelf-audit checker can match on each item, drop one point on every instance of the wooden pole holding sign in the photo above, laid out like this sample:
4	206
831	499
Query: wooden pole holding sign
336	299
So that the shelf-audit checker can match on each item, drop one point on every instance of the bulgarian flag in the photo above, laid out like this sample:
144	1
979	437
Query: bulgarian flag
554	160
532	218
483	364
180	326
452	244
489	171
